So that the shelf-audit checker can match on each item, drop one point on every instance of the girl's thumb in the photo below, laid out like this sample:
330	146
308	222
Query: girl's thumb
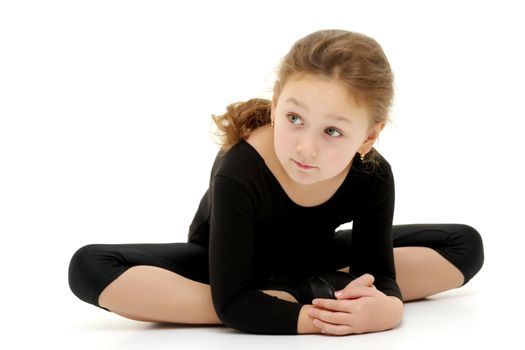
365	280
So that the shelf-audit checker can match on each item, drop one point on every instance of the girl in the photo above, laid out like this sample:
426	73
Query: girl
263	254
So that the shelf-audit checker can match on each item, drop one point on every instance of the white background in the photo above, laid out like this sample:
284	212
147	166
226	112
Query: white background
105	137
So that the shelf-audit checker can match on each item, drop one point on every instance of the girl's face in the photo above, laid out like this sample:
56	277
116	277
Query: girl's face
317	124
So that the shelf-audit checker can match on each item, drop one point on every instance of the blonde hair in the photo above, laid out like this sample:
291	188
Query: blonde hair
353	59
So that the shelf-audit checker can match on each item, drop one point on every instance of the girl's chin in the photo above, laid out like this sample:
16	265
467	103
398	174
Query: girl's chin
303	179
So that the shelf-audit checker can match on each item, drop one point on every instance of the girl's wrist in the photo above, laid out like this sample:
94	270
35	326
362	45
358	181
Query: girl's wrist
305	323
398	310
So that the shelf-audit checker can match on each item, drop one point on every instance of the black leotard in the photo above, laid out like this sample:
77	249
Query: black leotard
254	231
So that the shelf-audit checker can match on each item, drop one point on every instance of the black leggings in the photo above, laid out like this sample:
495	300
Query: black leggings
93	267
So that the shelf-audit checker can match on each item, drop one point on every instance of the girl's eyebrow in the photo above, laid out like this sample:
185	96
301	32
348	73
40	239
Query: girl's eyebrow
333	116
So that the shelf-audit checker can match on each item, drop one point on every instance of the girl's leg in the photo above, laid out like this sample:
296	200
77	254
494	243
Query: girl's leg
150	293
147	282
422	272
447	256
429	258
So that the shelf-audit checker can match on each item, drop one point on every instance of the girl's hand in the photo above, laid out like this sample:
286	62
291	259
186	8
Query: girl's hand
359	308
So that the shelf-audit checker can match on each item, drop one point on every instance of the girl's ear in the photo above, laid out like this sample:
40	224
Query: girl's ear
373	135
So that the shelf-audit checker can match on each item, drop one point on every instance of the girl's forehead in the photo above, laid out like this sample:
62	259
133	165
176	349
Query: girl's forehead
322	89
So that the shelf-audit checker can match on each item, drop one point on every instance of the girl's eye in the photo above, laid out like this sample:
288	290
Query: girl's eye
294	116
335	131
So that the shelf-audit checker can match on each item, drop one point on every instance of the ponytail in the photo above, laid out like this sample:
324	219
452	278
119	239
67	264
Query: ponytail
240	119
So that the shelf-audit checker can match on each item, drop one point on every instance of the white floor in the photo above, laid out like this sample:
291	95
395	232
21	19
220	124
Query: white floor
467	317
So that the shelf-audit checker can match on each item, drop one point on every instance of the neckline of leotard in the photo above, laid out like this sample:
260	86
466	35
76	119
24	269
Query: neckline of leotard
283	192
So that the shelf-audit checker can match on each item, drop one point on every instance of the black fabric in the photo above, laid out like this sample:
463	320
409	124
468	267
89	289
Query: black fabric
95	266
247	230
255	231
304	290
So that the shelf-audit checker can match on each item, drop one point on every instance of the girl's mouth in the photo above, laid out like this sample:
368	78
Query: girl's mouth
302	166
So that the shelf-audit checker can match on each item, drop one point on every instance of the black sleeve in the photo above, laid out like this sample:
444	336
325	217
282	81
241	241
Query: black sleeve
236	300
372	247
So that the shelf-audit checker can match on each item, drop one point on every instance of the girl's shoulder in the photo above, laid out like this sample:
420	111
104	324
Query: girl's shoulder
240	161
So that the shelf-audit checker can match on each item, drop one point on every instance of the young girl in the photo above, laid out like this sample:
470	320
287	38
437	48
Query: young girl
263	254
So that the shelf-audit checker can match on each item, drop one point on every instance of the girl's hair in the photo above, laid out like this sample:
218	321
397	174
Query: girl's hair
353	59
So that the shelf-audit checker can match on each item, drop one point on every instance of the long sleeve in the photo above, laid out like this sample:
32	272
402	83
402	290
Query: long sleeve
372	247
237	301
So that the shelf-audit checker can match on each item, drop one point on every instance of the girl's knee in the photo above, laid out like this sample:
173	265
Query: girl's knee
473	252
473	238
82	272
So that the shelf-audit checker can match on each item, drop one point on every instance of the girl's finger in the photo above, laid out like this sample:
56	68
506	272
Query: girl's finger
339	318
353	292
332	304
333	329
363	280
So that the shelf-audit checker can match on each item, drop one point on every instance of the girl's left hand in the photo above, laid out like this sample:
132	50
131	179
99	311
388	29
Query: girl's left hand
359	308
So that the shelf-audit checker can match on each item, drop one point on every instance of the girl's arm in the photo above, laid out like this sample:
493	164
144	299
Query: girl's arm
372	249
237	300
363	306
